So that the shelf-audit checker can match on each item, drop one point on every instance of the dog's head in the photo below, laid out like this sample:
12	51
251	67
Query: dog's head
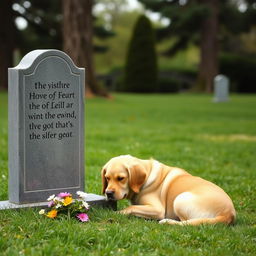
122	176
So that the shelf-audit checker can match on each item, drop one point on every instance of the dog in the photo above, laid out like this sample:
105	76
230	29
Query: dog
168	194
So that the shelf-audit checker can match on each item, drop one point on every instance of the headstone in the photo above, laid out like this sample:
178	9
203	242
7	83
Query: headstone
46	127
221	88
46	122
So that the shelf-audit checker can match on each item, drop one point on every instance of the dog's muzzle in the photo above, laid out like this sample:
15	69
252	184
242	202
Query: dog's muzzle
110	195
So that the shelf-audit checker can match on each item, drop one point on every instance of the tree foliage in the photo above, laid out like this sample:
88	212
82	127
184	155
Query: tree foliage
6	41
44	30
186	18
211	24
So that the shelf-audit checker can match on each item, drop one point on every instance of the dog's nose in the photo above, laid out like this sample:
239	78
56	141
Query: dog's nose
110	194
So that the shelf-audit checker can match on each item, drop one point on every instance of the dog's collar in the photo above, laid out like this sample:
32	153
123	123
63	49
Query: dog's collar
153	174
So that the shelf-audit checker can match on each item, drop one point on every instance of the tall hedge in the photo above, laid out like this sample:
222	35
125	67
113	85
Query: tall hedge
141	62
241	70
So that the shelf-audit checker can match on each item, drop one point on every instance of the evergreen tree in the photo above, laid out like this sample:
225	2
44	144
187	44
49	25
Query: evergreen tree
141	63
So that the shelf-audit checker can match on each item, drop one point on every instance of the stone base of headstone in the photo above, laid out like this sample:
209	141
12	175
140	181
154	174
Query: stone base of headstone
92	199
217	100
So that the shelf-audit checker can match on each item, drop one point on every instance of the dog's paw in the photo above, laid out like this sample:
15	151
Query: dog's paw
124	212
169	221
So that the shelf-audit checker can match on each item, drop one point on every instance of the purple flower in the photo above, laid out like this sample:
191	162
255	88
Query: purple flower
51	203
64	194
82	217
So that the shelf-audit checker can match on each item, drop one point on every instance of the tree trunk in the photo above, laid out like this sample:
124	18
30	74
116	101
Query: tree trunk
77	38
6	41
208	67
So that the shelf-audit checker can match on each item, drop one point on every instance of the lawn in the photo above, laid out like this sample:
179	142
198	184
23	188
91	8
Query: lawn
214	141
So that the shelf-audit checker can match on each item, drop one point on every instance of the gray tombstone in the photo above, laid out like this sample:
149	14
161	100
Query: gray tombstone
221	88
46	127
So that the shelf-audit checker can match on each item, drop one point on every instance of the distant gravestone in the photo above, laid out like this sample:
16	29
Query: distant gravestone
46	127
221	88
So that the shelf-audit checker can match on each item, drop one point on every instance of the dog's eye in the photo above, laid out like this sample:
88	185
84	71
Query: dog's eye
120	178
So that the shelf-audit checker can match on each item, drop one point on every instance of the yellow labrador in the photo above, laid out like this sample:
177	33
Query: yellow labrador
165	193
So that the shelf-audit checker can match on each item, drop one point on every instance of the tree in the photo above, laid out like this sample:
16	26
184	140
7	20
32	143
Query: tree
212	24
44	19
141	63
208	67
77	35
188	19
6	41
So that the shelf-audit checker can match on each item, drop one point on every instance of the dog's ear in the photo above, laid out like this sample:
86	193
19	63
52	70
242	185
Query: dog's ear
137	176
104	180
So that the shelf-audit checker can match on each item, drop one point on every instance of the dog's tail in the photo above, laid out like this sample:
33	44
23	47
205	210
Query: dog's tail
227	219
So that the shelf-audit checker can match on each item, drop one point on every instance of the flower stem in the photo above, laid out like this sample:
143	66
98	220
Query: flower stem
68	214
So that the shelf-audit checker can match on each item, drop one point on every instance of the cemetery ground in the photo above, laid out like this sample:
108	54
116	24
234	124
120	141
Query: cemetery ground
216	141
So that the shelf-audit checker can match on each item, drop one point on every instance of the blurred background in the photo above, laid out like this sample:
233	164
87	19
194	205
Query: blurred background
162	46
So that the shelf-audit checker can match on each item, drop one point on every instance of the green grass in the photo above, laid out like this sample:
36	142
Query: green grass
214	141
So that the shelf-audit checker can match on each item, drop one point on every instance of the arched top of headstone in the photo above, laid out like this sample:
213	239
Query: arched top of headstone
31	60
220	77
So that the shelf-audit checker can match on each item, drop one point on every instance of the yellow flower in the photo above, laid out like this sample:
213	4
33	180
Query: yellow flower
52	214
67	200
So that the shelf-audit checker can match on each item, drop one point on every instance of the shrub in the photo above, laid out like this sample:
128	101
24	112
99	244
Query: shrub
240	70
141	63
171	85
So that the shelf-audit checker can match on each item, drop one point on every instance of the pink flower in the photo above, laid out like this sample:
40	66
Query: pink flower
64	194
51	203
82	217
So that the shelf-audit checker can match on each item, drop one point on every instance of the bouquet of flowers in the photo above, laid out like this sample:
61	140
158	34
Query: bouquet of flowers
64	203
